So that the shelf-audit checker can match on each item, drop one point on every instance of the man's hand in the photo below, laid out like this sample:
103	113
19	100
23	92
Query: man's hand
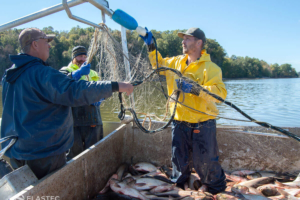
98	103
125	87
83	70
184	86
148	38
187	87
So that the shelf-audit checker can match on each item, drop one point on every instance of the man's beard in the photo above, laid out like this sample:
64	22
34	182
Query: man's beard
78	62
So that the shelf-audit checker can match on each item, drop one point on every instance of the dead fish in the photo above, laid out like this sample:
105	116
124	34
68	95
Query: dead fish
267	174
257	182
166	170
242	172
283	195
106	187
159	176
293	192
144	167
133	171
293	183
235	178
191	181
253	176
113	195
297	178
227	196
203	196
287	186
121	170
229	186
147	183
122	188
150	174
128	179
178	193
203	188
255	197
240	189
162	188
268	190
154	197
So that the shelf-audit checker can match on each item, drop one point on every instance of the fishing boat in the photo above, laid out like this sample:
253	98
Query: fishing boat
240	147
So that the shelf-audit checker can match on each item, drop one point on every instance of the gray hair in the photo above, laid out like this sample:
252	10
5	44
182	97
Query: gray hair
26	49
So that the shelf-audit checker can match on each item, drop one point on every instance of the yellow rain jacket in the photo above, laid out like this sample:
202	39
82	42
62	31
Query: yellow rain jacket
93	76
205	73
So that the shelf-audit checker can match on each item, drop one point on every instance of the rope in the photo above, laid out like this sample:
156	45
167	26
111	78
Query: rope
123	109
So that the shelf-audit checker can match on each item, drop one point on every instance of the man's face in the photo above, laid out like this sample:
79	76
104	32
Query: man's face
189	44
79	60
43	47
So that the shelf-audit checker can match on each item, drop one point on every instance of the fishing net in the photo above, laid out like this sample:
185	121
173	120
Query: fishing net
150	103
113	64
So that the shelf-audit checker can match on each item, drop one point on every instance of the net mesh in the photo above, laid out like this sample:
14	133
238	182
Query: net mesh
150	99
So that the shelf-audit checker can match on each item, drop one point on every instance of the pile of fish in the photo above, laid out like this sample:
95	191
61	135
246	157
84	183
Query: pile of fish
147	182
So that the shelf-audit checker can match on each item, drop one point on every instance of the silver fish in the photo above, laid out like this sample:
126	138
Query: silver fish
147	183
122	188
121	170
106	187
257	182
255	197
192	181
145	167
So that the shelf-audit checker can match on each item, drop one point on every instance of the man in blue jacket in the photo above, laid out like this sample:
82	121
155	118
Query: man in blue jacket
37	101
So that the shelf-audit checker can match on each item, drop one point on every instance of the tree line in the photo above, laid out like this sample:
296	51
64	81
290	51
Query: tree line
168	44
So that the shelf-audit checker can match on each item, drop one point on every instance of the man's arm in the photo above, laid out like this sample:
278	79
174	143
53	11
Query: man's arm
65	71
60	89
162	62
213	83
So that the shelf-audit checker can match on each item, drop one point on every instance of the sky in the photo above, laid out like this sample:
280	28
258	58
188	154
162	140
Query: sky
268	30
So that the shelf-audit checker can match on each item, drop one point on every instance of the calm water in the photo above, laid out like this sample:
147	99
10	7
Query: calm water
276	101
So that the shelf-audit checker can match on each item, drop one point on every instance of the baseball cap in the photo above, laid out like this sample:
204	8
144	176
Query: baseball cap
28	35
196	32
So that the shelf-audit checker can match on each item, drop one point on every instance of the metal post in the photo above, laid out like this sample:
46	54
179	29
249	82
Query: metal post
39	14
127	64
101	4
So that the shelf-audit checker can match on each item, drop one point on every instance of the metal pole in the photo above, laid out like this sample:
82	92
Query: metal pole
39	14
66	7
127	64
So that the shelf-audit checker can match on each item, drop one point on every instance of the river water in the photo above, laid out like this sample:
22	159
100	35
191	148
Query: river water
276	101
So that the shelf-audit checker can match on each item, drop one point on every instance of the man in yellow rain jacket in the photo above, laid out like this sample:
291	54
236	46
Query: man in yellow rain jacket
88	127
193	132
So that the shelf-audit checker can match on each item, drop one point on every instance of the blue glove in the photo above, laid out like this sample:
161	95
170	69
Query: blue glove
184	86
98	103
148	38
83	70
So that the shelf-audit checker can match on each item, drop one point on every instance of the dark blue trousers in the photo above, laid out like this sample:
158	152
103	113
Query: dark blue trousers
84	137
197	142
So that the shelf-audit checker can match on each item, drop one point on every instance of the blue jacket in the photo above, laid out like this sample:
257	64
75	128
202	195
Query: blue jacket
37	101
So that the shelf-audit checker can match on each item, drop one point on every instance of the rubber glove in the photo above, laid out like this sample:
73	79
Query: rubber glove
188	86
98	103
83	70
184	86
148	38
